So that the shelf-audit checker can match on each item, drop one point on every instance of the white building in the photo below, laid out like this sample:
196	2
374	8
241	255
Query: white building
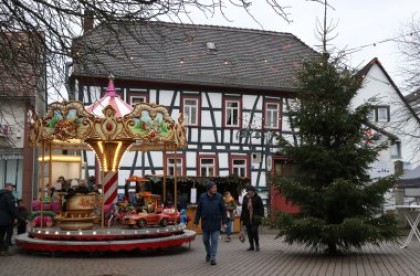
389	112
392	114
22	89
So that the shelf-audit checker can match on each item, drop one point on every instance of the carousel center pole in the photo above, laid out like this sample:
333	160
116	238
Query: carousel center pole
165	166
42	181
103	199
175	183
50	168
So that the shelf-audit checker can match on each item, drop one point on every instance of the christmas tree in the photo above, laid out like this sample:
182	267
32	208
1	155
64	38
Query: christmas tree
340	205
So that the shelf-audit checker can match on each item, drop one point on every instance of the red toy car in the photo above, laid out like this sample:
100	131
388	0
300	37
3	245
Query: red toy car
175	215
143	219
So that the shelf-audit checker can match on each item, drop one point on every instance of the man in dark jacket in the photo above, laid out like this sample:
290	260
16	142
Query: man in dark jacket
211	210
251	216
8	213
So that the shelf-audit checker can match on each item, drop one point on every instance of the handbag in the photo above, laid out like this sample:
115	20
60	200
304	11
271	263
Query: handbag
242	234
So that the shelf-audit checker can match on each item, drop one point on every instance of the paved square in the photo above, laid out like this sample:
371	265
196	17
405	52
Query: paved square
275	258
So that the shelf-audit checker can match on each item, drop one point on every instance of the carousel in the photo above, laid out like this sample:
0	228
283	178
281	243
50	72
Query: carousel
83	220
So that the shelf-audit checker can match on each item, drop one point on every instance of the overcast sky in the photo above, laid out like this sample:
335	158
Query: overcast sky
359	23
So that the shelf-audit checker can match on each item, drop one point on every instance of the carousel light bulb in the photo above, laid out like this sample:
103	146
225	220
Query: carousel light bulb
94	232
135	232
47	232
67	233
108	232
80	233
56	232
122	232
39	231
147	231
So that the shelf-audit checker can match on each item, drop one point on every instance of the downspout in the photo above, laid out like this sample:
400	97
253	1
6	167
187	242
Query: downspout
70	91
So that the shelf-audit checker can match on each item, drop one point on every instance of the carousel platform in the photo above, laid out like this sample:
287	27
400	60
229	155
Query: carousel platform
104	239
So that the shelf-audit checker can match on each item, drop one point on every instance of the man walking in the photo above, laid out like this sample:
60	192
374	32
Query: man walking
251	216
211	210
8	213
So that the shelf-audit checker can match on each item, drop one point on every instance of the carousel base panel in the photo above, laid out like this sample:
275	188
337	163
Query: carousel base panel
103	240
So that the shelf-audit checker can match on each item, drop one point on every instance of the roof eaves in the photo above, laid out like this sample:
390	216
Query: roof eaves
182	80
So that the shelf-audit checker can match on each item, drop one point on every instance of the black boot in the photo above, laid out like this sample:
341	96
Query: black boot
251	246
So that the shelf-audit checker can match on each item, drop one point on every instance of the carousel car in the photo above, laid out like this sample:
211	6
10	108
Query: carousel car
147	219
175	215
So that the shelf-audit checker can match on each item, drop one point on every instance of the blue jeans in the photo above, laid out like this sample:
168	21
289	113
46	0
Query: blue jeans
229	228
211	242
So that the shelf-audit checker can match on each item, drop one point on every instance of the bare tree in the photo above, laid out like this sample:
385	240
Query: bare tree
409	47
60	22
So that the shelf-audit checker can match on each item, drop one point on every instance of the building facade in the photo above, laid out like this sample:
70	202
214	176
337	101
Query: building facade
22	89
392	117
232	85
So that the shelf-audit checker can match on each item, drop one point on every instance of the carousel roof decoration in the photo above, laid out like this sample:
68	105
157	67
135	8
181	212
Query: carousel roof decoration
112	99
146	127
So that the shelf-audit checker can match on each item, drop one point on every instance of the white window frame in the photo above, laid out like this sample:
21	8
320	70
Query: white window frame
144	99
171	166
189	109
229	110
274	114
240	170
208	167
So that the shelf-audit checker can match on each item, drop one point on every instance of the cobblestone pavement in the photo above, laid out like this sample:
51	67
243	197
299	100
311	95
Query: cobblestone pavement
275	258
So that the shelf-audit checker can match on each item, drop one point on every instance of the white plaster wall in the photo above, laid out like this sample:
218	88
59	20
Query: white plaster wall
377	89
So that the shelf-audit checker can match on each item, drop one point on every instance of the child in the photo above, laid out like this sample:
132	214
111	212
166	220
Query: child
230	206
21	227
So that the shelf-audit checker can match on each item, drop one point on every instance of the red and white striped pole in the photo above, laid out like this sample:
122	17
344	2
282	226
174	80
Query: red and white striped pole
110	187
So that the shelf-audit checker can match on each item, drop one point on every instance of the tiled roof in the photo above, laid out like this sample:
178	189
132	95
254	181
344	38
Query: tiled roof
175	53
413	97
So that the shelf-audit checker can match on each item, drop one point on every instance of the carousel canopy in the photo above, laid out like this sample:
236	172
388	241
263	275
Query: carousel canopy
110	99
143	127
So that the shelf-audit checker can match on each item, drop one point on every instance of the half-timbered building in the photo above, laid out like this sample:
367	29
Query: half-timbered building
232	85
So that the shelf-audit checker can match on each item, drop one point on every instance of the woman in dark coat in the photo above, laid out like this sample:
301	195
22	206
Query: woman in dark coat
251	216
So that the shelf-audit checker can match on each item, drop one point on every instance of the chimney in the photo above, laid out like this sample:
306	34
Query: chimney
88	20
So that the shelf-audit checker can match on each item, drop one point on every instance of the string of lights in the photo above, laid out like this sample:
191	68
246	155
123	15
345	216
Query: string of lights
374	44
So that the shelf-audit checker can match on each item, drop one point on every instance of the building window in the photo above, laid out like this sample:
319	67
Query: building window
207	165
170	165
232	109
272	114
396	150
191	110
137	96
379	114
135	100
118	91
239	166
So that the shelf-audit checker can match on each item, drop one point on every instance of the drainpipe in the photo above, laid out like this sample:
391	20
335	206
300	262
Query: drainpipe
70	91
